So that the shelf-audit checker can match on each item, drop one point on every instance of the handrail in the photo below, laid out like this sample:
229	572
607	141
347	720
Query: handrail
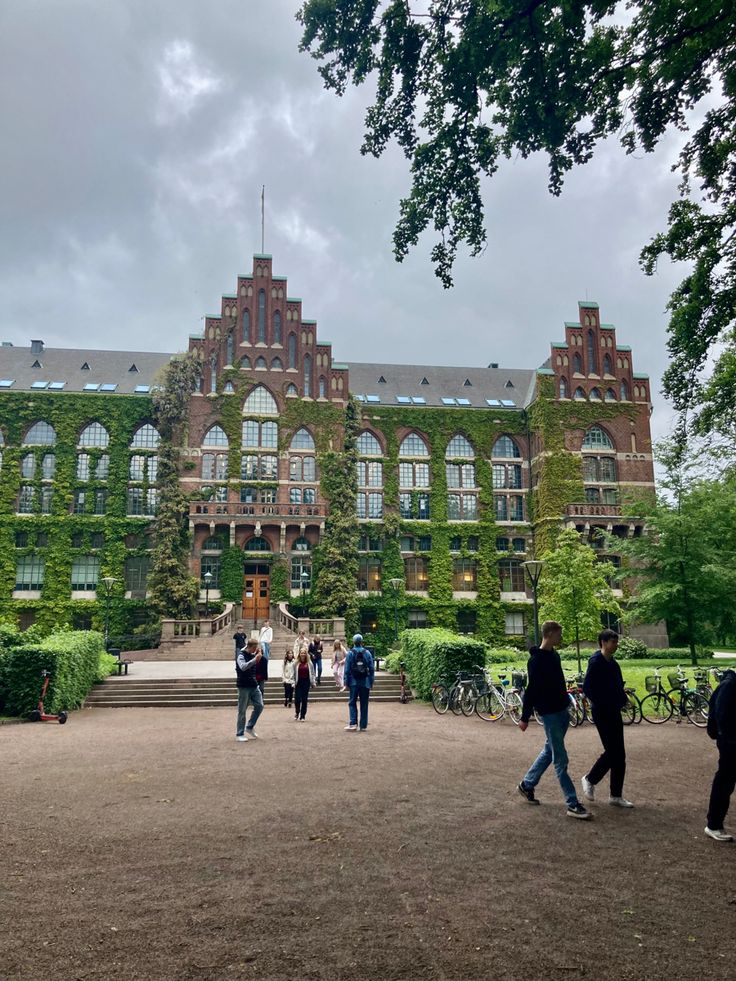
256	510
199	627
312	626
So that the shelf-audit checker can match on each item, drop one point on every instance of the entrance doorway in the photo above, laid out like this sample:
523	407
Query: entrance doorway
256	591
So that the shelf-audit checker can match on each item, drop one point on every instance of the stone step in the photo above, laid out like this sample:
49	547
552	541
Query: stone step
171	701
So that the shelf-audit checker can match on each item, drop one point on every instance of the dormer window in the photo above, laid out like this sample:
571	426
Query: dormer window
36	364
85	367
381	380
509	384
424	382
467	383
134	369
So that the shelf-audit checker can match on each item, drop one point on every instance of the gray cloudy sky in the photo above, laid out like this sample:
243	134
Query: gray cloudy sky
135	139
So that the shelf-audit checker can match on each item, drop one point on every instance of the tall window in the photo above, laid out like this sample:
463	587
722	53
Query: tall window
94	435
511	576
47	495
322	387
369	574
260	434
29	572
214	466
464	575
83	466
260	402
261	316
211	564
301	572
146	438
592	357
413	445
624	391
277	365
85	572
246	327
48	466
278	337
28	466
40	434
459	447
505	449
292	351
26	499
370	473
213	373
596	438
577	363
368	445
308	375
230	352
416	573
563	388
136	573
607	365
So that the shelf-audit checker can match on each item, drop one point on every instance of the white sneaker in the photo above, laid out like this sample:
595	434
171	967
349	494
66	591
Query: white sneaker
253	734
588	789
619	802
718	834
242	739
351	728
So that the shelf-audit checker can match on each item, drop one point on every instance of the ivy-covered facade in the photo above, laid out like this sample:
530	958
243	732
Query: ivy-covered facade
393	495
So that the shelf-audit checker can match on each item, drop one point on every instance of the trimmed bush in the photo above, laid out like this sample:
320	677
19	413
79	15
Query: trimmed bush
433	655
635	650
72	657
503	655
630	648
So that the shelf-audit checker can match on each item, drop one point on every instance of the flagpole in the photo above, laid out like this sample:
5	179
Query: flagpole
263	219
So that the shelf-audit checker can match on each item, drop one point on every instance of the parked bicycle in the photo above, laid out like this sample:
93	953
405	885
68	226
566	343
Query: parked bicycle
660	705
631	711
499	699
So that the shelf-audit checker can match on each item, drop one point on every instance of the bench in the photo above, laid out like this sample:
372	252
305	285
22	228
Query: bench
122	665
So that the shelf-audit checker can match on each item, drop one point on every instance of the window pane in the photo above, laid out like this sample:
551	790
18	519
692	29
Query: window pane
368	445
505	448
302	440
94	435
147	437
137	467
413	445
28	466
48	466
260	402
295	468
459	447
102	470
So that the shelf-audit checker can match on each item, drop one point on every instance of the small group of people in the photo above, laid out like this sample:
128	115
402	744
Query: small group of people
546	693
352	669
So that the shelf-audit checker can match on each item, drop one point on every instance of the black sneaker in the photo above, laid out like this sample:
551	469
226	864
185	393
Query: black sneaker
578	811
527	793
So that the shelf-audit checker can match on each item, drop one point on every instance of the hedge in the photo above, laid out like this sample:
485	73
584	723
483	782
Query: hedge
436	654
76	660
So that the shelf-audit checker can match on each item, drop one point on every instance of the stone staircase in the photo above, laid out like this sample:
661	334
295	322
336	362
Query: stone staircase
220	647
127	692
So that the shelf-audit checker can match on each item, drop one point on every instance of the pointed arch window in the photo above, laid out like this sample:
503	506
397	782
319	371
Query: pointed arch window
413	445
277	365
146	438
308	375
94	435
292	351
215	436
597	439
459	447
291	389
595	395
577	363
261	316
260	402
261	363
505	449
607	365
40	434
624	392
245	361
579	393
592	357
368	445
257	544
302	440
322	388
563	388
230	356
610	395
278	337
246	327
213	373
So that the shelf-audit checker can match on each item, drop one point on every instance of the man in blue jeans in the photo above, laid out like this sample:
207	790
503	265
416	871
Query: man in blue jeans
546	692
359	674
247	663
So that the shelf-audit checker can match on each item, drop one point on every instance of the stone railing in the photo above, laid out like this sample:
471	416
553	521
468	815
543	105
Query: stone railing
594	510
328	627
234	510
189	629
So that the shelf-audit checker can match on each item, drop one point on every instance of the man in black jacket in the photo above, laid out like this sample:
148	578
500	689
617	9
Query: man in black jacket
247	664
546	692
604	686
722	720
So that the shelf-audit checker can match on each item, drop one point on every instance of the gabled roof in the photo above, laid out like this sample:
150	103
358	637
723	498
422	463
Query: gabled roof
60	364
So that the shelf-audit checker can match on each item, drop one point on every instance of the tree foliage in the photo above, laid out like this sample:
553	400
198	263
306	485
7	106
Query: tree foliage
463	84
685	563
574	588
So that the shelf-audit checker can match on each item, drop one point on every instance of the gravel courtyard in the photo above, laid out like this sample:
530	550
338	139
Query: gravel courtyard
139	843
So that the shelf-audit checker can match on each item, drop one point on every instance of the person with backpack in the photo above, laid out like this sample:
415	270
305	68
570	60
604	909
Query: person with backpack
604	686
722	728
358	677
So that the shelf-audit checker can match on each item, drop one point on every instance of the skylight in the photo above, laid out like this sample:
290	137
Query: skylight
463	401
508	403
57	386
494	402
142	389
108	387
92	387
403	400
418	400
360	398
448	401
373	398
6	382
39	384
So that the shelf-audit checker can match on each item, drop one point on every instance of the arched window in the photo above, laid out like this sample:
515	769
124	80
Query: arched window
261	316
292	351
459	447
368	445
302	440
607	365
597	439
215	436
413	445
563	388
308	375
48	466
505	449
277	365
246	327
624	392
40	434
146	438
579	393
213	544
230	348
291	389
257	544
577	363
260	402
592	358
610	395
245	361
322	388
278	337
595	395
301	544
94	435
261	363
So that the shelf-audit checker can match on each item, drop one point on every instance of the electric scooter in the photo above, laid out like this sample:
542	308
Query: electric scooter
38	714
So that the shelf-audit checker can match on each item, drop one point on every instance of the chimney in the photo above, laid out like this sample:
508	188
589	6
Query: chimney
493	364
36	347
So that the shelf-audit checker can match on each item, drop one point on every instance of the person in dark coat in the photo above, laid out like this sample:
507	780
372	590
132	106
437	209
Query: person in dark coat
722	728
315	653
604	686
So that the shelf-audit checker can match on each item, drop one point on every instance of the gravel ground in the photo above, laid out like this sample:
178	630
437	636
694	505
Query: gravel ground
139	843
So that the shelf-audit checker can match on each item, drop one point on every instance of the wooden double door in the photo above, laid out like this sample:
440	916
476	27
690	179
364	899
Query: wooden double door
256	591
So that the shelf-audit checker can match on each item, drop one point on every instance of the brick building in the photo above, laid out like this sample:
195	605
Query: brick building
449	459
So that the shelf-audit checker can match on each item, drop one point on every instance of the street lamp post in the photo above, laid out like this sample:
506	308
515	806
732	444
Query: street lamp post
208	577
534	571
108	582
304	581
395	584
577	627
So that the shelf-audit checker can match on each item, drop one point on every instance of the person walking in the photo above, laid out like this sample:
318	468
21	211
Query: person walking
288	675
359	675
265	638
315	652
246	664
301	641
722	728
547	693
262	672
304	681
339	653
239	639
604	686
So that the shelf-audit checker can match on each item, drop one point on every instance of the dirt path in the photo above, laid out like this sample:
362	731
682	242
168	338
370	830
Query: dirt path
146	844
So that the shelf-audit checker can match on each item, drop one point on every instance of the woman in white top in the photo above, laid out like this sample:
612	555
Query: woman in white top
265	638
301	641
339	654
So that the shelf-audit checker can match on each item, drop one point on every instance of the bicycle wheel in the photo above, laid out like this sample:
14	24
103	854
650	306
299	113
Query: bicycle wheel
628	712
467	701
489	706
456	693
440	698
574	711
657	708
696	708
538	718
514	706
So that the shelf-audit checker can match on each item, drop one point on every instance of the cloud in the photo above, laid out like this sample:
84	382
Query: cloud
184	82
